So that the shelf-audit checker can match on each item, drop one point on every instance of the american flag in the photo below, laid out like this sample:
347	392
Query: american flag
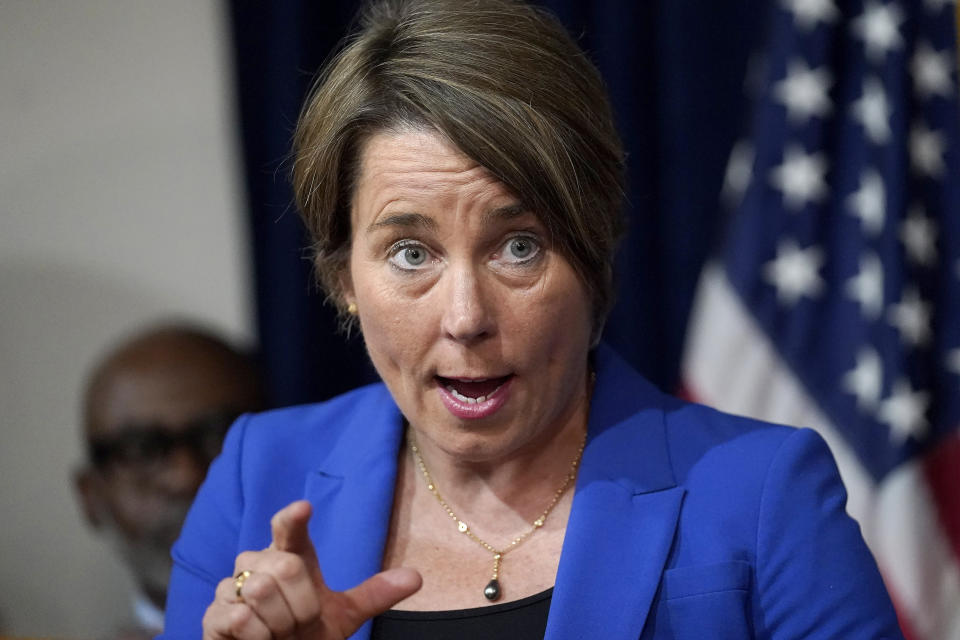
835	302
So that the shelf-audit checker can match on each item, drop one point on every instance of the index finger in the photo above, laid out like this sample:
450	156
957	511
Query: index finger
289	529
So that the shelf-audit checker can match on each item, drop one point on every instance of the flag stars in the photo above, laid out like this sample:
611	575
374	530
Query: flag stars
952	361
931	71
807	13
911	317
739	173
866	288
926	150
800	177
865	380
919	235
904	412
869	203
804	91
935	6
879	28
795	272
872	111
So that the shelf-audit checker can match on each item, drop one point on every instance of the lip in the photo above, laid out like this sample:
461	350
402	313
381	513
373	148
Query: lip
467	411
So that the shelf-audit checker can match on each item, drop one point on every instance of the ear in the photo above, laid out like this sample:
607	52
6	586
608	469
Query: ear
347	295
89	488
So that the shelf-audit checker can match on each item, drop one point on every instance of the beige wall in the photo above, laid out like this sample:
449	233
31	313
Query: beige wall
119	201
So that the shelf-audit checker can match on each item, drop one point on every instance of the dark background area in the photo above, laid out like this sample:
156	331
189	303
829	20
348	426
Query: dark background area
675	70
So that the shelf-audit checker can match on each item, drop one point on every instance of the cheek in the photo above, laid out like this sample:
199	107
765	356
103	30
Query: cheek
390	323
556	314
128	506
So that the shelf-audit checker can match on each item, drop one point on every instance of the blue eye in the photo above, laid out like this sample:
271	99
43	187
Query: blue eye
520	249
415	256
409	256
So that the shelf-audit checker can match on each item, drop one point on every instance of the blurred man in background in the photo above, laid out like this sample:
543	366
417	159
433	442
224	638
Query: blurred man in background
156	409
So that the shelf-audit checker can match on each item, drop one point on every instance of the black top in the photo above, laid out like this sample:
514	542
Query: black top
524	619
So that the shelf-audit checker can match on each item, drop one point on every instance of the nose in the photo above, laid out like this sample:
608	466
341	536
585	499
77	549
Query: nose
182	473
467	316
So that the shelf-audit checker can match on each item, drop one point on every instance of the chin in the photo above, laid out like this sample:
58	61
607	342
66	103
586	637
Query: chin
476	441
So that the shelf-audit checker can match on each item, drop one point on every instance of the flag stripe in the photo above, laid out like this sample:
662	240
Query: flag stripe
914	554
942	470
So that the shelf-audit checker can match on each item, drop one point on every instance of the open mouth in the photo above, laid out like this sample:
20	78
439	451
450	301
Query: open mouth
472	391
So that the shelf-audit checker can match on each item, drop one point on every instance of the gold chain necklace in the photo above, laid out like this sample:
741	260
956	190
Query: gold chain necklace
492	590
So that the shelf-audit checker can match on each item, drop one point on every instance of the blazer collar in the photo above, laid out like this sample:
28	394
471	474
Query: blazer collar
626	421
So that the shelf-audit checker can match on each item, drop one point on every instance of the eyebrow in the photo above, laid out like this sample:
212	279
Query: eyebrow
408	220
508	212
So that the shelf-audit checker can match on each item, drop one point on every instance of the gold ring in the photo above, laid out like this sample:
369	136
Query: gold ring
238	582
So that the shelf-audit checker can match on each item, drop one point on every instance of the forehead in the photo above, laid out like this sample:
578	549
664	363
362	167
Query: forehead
168	392
420	167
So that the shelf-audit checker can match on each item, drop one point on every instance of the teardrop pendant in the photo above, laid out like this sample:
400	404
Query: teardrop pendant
492	591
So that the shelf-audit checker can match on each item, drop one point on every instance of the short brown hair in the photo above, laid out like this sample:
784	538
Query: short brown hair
505	83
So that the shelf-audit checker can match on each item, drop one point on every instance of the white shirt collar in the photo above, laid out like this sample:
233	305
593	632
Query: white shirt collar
147	614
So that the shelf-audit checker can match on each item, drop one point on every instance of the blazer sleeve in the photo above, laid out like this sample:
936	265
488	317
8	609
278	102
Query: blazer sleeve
205	552
816	578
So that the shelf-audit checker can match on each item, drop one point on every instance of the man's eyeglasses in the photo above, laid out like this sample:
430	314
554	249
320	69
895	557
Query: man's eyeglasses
144	446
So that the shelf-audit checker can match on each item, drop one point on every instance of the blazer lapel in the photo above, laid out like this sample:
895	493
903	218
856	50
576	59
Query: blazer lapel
352	496
609	573
624	513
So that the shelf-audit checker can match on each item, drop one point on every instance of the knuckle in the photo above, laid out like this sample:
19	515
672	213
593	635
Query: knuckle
210	616
257	588
245	559
288	567
225	589
239	618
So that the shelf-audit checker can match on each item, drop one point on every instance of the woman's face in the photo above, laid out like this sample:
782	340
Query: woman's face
478	327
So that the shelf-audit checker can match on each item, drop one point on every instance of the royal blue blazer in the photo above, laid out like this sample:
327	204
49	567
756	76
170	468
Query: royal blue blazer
686	522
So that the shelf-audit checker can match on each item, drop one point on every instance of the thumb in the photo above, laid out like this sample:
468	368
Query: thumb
375	595
289	529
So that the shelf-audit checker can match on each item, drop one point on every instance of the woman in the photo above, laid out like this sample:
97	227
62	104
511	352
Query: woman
461	177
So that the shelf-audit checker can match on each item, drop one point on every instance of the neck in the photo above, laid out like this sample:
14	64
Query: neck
512	487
